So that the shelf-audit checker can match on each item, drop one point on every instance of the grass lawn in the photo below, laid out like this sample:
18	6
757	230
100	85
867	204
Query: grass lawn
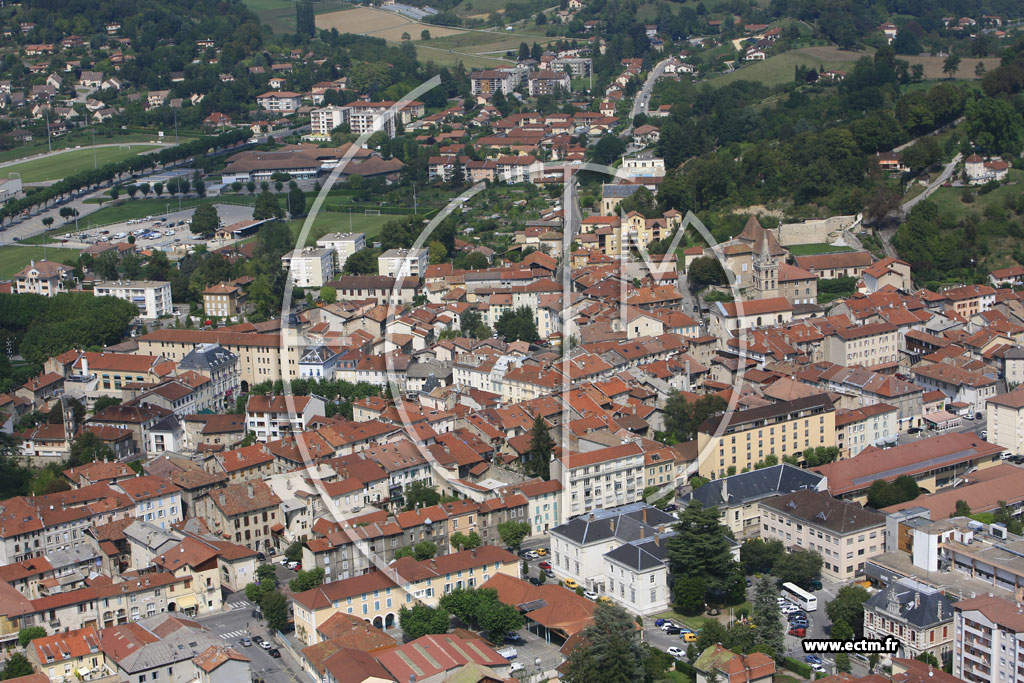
948	198
279	15
332	221
698	621
786	678
426	52
780	68
13	258
73	139
817	248
62	165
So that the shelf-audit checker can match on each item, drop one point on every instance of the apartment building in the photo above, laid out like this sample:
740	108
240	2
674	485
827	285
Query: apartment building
738	497
153	299
280	101
273	417
872	425
1005	414
217	365
490	81
369	117
729	443
344	244
874	346
988	640
797	286
248	514
919	616
402	263
958	384
729	319
155	500
546	82
831	266
969	300
43	277
844	533
70	655
602	478
224	301
309	266
325	119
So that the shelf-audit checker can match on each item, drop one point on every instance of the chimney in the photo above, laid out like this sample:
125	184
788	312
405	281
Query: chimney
643	515
250	491
611	525
223	500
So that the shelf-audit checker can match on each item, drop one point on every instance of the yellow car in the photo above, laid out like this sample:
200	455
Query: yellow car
541	551
604	599
571	583
689	637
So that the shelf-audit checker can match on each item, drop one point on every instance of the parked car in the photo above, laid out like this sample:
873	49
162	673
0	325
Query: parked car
266	645
534	580
530	555
274	652
257	639
605	600
913	430
541	551
983	434
798	632
813	659
668	623
571	584
513	637
676	652
261	557
817	668
688	637
545	565
659	623
246	642
673	630
590	595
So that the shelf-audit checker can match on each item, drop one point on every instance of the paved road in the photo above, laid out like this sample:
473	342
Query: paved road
933	186
642	99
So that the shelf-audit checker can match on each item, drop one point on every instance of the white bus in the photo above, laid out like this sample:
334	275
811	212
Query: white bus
799	596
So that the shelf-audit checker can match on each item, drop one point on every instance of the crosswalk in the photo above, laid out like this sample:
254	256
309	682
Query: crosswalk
231	635
239	605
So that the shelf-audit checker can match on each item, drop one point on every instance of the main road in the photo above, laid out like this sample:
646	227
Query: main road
642	99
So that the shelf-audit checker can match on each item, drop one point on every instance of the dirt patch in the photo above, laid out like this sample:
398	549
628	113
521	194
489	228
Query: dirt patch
760	210
379	23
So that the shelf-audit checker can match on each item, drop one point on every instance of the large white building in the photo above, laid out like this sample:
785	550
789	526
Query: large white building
988	640
322	121
309	266
403	262
1005	414
618	552
603	478
344	245
153	299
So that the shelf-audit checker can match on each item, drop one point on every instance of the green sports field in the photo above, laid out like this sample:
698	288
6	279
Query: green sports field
62	165
331	221
14	258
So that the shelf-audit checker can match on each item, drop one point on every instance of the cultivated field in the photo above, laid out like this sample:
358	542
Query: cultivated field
61	165
378	23
279	15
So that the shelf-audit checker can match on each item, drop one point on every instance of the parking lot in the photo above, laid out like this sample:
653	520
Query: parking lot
164	231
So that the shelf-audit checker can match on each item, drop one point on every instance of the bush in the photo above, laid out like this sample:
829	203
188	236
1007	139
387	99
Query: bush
797	667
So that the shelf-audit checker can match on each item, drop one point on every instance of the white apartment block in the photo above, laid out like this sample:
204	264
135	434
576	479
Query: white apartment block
344	244
280	101
403	262
310	266
322	121
871	345
1005	414
988	640
153	299
603	478
488	82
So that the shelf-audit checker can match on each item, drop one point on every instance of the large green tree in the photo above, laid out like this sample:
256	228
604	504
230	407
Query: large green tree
798	566
420	620
275	611
517	324
700	549
267	207
848	607
17	665
611	651
204	220
537	459
512	533
765	613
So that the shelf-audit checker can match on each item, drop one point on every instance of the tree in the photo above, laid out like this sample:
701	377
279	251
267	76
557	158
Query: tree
705	271
798	566
420	494
472	325
363	262
643	202
843	663
266	572
266	207
205	220
17	666
86	448
682	418
765	613
688	595
421	620
962	509
424	550
711	631
294	552
512	533
461	541
917	72
48	221
700	548
929	659
848	606
611	651
30	633
307	579
438	253
158	189
951	65
296	202
498	619
608	149
275	611
517	325
305	20
841	631
542	446
424	34
759	556
328	295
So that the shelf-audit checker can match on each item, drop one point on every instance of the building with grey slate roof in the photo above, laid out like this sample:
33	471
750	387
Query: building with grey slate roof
578	547
637	574
738	497
220	366
917	615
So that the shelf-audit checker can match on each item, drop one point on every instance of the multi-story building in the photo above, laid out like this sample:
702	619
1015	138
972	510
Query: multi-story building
741	439
730	319
958	384
738	497
364	116
873	346
402	263
279	101
224	301
603	478
1005	414
578	67
153	299
43	277
309	266
919	616
871	425
844	533
325	119
248	514
988	640
490	81
968	300
220	367
70	655
273	417
344	245
545	82
155	500
260	356
797	286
